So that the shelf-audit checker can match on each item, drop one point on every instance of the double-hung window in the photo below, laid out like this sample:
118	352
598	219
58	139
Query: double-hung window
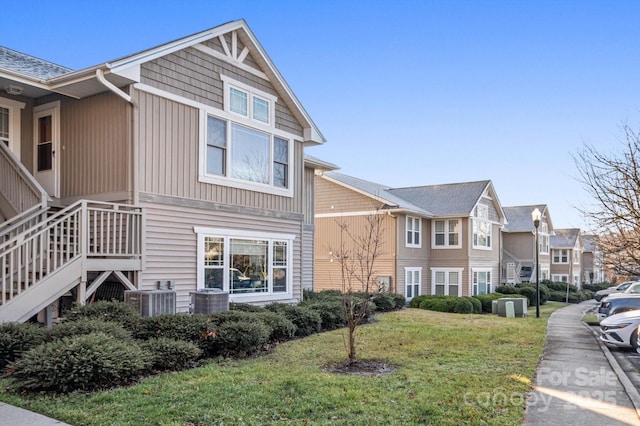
481	228
243	148
446	233
247	265
413	232
481	281
560	256
446	281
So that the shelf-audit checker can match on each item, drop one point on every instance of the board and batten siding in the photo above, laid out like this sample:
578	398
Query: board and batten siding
168	160
171	244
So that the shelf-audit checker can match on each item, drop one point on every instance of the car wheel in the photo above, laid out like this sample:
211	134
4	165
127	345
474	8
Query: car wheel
634	341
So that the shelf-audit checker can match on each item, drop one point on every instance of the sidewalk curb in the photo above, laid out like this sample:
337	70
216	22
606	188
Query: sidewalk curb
629	388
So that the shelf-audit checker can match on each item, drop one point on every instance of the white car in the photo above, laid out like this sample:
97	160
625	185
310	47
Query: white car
612	290
621	329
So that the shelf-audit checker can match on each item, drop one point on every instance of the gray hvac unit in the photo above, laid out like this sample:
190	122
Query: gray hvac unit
151	302
208	301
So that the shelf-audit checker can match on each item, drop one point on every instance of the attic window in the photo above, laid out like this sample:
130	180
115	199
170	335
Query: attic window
248	102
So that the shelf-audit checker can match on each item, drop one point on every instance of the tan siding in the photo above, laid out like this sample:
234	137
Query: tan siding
328	194
170	250
168	135
307	257
308	192
519	244
327	239
95	136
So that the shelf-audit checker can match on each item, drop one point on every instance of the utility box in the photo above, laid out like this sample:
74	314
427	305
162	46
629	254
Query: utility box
519	306
151	302
208	301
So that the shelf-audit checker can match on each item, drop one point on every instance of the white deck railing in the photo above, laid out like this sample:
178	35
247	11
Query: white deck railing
19	189
86	230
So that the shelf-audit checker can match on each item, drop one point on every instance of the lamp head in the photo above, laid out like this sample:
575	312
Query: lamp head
535	216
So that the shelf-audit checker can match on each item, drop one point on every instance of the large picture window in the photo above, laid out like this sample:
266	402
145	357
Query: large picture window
243	146
245	265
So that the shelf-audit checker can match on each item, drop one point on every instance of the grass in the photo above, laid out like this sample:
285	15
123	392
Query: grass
451	369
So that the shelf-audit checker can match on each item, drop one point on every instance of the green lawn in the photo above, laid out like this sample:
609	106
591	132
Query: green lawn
451	369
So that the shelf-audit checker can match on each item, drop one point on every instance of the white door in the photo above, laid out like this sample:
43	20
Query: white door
46	133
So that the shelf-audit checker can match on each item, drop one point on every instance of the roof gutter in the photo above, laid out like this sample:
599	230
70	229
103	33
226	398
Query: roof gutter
112	87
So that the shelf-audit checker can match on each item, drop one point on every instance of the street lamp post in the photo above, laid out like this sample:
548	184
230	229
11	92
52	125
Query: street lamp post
535	215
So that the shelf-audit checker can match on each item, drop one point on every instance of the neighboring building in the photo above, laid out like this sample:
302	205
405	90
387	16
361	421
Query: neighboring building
182	164
566	256
593	265
438	239
519	242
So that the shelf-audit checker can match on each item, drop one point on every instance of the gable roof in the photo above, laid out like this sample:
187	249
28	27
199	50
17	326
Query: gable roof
41	75
519	218
564	238
589	243
445	200
454	199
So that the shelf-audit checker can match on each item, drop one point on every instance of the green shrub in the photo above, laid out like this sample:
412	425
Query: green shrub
331	311
81	326
558	296
486	300
246	307
559	286
171	354
529	290
321	295
597	286
307	321
399	300
87	362
192	328
416	301
281	328
15	339
438	303
477	306
384	302
506	289
239	339
462	305
112	311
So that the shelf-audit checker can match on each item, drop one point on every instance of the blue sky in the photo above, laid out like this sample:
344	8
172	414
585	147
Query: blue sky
407	92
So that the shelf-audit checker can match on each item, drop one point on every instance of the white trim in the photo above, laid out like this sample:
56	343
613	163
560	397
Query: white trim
446	246
414	232
490	285
52	108
227	234
252	92
14	108
228	59
350	214
411	269
446	284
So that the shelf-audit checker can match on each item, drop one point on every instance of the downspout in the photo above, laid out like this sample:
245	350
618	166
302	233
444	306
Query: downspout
112	87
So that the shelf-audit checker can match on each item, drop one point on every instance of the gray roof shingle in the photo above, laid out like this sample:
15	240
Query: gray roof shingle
433	200
564	238
29	65
519	217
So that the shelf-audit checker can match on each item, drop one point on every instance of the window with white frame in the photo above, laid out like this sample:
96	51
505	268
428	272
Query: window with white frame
481	281
413	232
543	238
481	227
247	265
446	281
560	255
576	256
544	274
10	124
576	280
560	278
446	233
413	282
242	146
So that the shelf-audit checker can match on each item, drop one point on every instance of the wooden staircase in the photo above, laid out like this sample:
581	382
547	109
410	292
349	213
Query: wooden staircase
42	262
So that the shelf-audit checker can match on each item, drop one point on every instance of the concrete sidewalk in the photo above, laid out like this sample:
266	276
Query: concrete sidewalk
578	381
14	416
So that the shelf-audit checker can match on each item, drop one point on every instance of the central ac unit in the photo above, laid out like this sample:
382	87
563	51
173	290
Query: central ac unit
208	301
151	302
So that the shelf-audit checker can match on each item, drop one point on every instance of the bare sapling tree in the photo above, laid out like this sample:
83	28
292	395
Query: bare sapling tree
613	181
359	249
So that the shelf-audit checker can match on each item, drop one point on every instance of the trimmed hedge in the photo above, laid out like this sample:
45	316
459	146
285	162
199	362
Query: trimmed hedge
528	290
192	328
239	339
331	311
16	339
486	300
85	325
87	362
171	354
113	311
307	321
280	327
453	304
